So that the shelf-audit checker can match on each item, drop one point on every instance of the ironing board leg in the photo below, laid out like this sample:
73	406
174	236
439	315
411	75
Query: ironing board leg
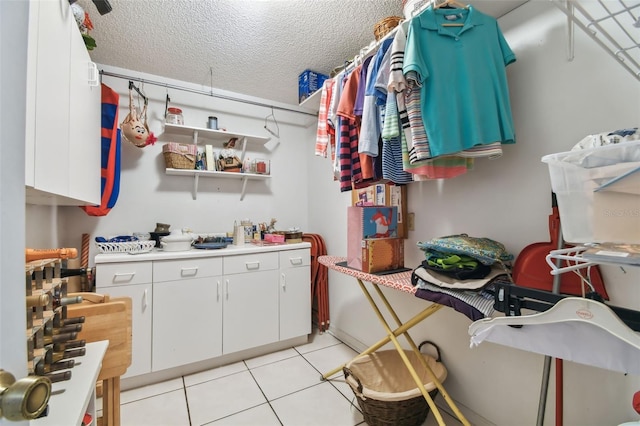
403	356
400	330
414	347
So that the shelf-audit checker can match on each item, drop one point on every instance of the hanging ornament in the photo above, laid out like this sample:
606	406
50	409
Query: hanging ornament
134	128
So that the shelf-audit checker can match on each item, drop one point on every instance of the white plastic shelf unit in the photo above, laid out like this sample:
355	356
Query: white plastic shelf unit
614	25
72	399
575	260
201	134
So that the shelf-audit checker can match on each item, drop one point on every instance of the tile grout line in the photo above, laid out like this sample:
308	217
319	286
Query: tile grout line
263	394
186	400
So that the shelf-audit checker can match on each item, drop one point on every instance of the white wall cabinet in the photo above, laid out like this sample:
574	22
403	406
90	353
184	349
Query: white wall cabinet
195	306
217	137
132	280
62	162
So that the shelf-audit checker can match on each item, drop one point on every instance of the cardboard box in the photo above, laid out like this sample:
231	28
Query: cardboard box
385	195
378	255
616	209
372	222
308	82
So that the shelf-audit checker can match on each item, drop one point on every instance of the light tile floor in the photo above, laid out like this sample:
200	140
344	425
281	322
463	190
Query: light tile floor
282	388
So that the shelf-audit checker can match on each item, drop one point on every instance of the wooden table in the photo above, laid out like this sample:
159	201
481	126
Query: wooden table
402	282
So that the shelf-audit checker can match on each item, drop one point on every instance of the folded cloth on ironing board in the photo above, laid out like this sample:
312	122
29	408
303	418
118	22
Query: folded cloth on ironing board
444	281
474	304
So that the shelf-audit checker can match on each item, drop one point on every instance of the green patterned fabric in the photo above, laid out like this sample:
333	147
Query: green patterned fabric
485	250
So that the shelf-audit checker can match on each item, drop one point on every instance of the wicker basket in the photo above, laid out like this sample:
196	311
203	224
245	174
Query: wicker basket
382	28
386	392
179	155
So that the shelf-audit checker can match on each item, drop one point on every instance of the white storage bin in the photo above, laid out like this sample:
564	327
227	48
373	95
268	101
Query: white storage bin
575	175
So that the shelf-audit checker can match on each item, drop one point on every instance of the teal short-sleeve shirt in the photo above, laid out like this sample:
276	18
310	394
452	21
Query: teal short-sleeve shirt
465	96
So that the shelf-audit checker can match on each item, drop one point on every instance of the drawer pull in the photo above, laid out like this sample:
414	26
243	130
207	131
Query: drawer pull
295	260
123	276
188	272
252	265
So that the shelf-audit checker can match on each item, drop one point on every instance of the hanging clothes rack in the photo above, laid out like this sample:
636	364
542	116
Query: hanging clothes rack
374	45
202	92
614	30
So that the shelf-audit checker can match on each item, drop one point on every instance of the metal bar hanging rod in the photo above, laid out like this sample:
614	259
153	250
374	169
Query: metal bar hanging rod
202	92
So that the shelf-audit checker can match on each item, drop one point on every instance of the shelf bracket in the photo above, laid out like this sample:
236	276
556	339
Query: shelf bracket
244	150
244	187
570	31
195	186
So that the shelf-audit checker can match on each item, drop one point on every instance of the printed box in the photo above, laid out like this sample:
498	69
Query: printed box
308	82
384	195
378	255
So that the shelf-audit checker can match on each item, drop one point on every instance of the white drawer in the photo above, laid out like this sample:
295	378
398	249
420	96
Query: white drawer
250	263
112	274
173	270
295	258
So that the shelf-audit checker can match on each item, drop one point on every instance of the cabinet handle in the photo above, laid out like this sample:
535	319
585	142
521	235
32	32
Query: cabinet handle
284	282
144	300
218	290
118	275
93	79
252	265
227	289
190	272
295	260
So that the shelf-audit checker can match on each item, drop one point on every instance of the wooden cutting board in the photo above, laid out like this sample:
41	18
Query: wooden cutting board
106	319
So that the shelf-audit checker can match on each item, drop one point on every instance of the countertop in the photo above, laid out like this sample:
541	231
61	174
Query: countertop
230	250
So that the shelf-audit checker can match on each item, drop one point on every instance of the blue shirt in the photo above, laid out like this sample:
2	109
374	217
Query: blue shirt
465	97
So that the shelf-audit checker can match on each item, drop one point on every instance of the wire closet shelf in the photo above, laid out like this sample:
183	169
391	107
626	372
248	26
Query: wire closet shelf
613	25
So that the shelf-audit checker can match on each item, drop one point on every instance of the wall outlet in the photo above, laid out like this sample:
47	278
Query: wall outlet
411	221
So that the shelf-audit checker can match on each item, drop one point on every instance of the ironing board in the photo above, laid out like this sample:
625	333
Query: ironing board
398	281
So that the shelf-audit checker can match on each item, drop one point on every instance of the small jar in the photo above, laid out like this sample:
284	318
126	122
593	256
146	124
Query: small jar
174	116
212	123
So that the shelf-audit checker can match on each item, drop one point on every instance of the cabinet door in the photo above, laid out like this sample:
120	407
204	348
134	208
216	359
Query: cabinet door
52	96
187	321
295	293
250	310
141	304
295	302
84	126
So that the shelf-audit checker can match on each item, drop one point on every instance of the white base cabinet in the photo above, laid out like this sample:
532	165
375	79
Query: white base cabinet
187	312
132	280
194	306
295	293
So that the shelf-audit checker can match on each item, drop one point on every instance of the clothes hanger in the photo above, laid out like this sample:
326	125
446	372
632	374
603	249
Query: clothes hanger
450	3
277	132
575	329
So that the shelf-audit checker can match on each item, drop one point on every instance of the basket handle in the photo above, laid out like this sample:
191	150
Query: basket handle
429	342
347	372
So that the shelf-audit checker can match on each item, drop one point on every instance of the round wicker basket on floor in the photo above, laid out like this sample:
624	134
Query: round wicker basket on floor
386	392
382	27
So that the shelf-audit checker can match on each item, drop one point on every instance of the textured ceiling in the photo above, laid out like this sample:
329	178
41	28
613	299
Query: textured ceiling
253	47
